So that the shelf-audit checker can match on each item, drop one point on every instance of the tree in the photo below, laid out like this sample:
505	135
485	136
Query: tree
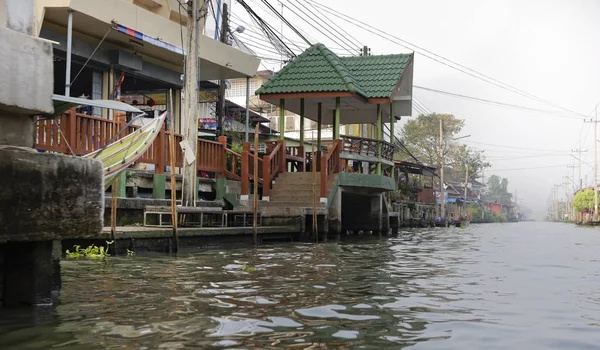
421	136
469	161
498	189
583	200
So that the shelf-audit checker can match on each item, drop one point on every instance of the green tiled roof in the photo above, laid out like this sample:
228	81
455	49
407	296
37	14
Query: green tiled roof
319	70
377	75
316	70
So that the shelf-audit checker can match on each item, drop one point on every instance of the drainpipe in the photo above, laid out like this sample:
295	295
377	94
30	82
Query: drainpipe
69	46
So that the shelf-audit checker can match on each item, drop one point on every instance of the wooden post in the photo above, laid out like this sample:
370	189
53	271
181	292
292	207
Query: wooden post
161	148
113	208
73	130
379	138
392	135
222	156
301	148
323	175
283	157
319	121
336	119
302	114
266	173
172	167
314	181
282	119
245	177
255	223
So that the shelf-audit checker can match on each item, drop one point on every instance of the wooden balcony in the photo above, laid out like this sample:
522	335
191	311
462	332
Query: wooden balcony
80	134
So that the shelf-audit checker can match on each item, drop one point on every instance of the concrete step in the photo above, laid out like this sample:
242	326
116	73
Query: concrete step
297	181
233	183
288	204
294	197
278	191
297	175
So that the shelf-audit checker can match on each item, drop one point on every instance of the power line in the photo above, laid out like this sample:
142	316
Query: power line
498	103
341	39
531	168
275	40
514	147
286	22
458	66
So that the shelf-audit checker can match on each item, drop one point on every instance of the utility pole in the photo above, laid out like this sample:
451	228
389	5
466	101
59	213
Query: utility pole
595	121
442	196
221	100
190	106
579	150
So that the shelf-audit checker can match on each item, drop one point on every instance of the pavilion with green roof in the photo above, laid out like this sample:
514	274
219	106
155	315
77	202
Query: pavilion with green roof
333	90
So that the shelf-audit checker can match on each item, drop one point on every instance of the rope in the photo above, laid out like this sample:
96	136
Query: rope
63	136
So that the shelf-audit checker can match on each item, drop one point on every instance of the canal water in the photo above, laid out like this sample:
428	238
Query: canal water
495	286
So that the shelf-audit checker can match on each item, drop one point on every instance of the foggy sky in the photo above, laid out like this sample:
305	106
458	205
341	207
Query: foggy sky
546	48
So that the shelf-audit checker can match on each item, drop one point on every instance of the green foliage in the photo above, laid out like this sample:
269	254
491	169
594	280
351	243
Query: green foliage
92	252
471	160
421	136
130	252
480	215
583	200
247	268
498	190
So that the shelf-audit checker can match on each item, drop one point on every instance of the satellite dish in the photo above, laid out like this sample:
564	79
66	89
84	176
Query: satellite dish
227	84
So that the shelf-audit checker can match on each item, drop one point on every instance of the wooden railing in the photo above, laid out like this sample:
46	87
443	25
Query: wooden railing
247	168
74	133
80	134
273	164
233	169
330	165
367	147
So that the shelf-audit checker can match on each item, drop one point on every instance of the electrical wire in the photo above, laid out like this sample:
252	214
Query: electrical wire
514	147
498	103
286	22
304	18
438	58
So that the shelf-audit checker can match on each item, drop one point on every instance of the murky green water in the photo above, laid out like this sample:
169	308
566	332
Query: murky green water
511	286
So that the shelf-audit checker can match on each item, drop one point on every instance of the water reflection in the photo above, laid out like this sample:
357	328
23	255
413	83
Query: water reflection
505	286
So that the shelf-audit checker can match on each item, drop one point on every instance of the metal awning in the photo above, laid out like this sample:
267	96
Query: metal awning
64	103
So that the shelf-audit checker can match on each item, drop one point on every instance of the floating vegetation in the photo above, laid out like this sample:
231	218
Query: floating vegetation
91	252
247	268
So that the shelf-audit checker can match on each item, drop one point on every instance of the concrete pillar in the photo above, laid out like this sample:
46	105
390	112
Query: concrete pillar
302	117
379	138
43	197
28	273
282	119
56	255
335	214
159	182
336	119
319	126
122	184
